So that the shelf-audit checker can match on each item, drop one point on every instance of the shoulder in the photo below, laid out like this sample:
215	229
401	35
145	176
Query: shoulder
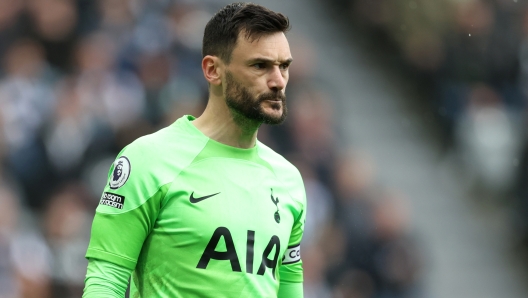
173	142
278	162
152	143
168	135
160	156
284	170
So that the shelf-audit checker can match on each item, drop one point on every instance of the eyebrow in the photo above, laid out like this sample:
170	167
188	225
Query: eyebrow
261	59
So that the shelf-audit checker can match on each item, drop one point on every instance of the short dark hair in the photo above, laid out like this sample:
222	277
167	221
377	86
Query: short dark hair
221	32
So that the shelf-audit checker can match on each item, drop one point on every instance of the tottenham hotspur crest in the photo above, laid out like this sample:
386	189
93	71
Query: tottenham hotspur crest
121	173
276	202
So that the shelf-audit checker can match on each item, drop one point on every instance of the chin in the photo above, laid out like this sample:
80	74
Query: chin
274	118
273	113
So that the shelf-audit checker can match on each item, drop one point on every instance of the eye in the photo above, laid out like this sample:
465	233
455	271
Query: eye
259	65
284	66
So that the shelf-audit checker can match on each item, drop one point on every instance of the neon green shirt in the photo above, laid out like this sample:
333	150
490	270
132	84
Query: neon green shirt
197	218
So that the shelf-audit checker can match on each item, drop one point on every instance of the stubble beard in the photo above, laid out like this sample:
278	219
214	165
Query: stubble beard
243	105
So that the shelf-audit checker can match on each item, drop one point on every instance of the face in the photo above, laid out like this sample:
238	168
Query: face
256	78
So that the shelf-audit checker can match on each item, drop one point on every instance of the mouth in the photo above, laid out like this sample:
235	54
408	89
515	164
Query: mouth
274	100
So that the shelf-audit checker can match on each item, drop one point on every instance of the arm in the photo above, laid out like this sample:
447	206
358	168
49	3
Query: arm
290	290
124	218
291	274
105	280
291	271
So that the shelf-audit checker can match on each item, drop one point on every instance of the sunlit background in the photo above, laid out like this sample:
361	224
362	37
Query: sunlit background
407	121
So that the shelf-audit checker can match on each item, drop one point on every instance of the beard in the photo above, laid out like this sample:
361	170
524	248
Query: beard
242	103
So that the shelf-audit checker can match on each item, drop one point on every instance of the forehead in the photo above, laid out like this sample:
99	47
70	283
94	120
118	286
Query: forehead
272	46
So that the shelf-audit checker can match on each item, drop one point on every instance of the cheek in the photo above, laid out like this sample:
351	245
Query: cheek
262	84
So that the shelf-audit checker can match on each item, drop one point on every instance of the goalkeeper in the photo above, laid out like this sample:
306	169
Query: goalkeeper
201	208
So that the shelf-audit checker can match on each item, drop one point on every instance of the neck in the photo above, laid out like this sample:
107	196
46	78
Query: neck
223	125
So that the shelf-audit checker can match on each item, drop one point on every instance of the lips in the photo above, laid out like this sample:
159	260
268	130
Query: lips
272	97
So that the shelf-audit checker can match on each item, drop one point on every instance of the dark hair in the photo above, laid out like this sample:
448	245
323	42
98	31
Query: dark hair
221	32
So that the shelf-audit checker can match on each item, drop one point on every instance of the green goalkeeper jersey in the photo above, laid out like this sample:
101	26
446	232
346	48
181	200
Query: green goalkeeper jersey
197	218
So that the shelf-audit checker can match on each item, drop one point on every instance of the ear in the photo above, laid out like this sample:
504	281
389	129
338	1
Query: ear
212	69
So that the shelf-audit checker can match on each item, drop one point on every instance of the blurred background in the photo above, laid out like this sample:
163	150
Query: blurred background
407	122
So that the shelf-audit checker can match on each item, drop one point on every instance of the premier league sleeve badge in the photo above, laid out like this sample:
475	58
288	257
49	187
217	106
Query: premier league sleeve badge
121	172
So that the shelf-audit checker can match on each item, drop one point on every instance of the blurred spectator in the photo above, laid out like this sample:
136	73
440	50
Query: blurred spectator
25	263
398	258
67	229
55	29
117	18
12	23
488	141
354	179
381	258
185	22
354	283
69	132
112	96
314	269
26	102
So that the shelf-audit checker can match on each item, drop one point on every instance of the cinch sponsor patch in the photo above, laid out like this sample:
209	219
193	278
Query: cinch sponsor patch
121	172
292	255
112	200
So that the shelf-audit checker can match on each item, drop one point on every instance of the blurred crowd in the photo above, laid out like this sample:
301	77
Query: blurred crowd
470	58
80	79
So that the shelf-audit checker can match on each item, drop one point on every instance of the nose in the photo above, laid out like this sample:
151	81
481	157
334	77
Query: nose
277	79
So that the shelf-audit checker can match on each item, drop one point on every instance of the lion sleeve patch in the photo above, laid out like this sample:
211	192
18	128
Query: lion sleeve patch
121	172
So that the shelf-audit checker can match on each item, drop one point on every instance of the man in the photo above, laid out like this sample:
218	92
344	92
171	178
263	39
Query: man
201	208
